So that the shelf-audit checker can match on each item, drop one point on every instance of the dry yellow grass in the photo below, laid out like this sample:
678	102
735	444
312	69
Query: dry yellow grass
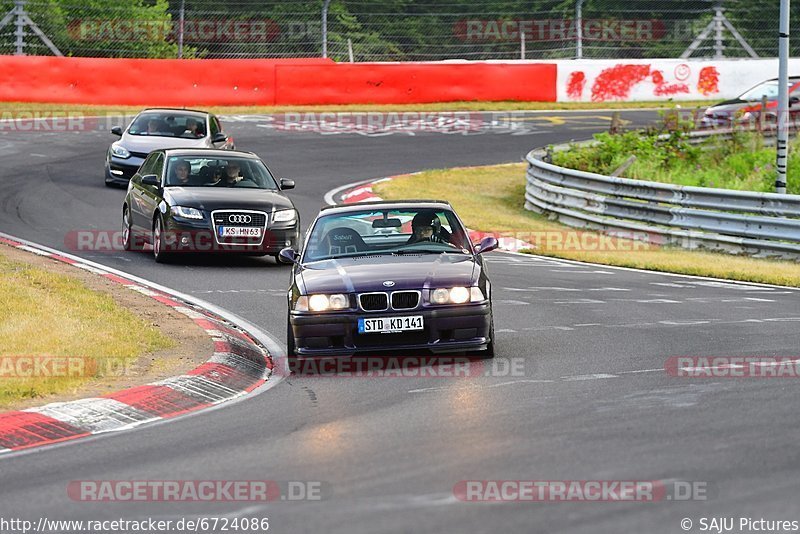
491	199
12	107
43	314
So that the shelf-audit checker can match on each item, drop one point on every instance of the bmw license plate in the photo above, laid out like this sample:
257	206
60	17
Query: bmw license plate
384	325
239	231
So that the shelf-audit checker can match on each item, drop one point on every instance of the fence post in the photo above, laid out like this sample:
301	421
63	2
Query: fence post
19	22
579	29
325	28
181	17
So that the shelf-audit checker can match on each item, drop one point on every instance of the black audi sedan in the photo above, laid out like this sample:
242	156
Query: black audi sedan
158	128
389	276
208	201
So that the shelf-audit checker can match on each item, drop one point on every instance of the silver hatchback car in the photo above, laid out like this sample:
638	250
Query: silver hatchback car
158	128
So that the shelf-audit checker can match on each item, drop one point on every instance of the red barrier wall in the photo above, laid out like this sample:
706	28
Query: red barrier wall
406	83
173	82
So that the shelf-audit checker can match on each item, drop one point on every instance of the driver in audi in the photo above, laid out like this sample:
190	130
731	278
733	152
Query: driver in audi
426	226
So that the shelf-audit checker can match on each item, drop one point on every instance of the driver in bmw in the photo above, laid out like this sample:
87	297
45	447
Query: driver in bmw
426	226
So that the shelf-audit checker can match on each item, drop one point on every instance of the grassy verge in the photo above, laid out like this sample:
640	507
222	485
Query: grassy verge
500	208
75	334
741	162
13	107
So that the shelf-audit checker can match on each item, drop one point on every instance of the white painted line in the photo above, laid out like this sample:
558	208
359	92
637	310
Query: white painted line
596	376
641	371
34	250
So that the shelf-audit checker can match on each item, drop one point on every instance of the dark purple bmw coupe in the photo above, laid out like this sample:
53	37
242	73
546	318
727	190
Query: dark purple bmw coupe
399	276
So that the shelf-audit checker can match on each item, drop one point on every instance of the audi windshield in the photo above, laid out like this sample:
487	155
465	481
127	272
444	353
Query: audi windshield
203	171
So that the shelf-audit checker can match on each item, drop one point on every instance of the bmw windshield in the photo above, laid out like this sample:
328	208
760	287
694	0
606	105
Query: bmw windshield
380	232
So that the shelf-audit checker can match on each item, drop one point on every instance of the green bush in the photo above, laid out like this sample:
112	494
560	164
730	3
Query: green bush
741	162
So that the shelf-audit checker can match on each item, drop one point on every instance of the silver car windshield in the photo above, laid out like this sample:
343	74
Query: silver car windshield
205	171
160	124
377	232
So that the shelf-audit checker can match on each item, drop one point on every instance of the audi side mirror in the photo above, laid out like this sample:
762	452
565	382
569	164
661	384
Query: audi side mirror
288	255
151	179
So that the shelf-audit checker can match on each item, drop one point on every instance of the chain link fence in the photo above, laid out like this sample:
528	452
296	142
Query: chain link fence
392	30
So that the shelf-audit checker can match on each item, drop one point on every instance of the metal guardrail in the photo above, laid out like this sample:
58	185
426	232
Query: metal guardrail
742	222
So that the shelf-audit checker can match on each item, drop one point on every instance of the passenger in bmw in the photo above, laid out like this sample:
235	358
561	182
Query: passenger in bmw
426	226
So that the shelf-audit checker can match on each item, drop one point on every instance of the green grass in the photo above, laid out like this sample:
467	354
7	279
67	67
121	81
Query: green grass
742	163
499	207
11	107
48	314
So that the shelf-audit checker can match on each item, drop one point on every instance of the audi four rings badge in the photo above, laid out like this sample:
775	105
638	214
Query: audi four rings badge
239	219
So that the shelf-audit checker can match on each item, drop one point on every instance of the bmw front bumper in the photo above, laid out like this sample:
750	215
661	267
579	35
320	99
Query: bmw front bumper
446	329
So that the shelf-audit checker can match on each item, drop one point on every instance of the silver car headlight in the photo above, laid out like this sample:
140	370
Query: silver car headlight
187	213
120	151
284	216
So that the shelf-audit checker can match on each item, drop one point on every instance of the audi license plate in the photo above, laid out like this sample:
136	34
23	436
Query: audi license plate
239	231
384	325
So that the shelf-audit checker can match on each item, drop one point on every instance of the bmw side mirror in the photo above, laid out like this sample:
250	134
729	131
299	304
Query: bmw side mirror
151	179
288	255
219	138
487	244
117	130
286	184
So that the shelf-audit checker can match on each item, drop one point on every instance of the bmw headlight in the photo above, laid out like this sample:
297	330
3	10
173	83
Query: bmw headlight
321	303
120	151
456	295
187	213
284	216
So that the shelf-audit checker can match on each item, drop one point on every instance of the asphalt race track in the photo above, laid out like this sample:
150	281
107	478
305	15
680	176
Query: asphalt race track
594	402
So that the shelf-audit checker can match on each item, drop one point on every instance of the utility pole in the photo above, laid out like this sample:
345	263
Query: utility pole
783	98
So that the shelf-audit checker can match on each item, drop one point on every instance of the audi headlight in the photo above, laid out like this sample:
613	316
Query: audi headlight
456	295
187	213
321	303
120	151
284	216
